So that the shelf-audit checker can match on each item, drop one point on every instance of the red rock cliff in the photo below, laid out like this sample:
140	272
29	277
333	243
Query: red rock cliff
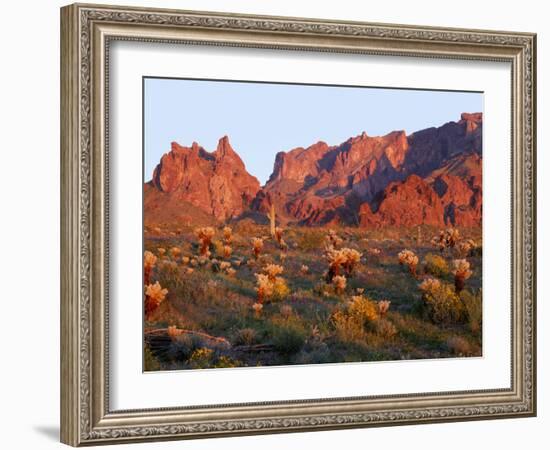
216	183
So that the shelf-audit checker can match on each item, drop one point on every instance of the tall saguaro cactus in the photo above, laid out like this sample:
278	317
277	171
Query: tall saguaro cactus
271	217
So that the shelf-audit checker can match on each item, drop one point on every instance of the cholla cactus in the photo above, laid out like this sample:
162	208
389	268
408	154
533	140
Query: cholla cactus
227	235
346	258
149	261
264	287
185	259
272	271
335	258
173	331
224	266
257	245
286	311
278	234
439	241
465	247
374	251
175	252
383	307
269	284
461	271
430	285
339	282
227	250
170	266
161	251
205	235
352	257
446	239
154	296
333	241
304	270
231	272
452	236
257	307
408	258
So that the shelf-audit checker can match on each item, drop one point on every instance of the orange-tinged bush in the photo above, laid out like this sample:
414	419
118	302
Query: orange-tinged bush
352	258
409	259
446	239
227	250
173	331
205	235
339	282
333	241
149	261
279	235
461	271
175	252
227	235
341	260
154	296
272	271
466	247
257	307
257	245
383	307
264	287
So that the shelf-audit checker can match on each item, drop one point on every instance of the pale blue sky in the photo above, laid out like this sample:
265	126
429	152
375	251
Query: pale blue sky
262	119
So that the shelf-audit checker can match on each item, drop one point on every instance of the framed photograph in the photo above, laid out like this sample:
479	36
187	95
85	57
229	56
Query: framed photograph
275	224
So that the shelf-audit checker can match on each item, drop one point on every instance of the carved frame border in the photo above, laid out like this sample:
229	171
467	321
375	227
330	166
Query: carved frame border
86	31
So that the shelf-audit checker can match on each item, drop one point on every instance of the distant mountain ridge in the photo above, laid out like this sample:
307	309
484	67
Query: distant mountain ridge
432	176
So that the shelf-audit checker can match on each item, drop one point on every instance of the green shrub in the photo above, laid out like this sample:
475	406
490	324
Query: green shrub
350	323
477	251
226	361
347	327
181	348
311	240
459	346
473	306
149	360
280	290
288	339
363	309
384	328
319	354
435	265
202	358
245	336
443	306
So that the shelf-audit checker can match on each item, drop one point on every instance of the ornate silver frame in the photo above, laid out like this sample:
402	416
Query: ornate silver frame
86	31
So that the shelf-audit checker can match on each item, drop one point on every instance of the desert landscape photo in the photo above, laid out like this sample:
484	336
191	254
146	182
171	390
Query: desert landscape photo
293	224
